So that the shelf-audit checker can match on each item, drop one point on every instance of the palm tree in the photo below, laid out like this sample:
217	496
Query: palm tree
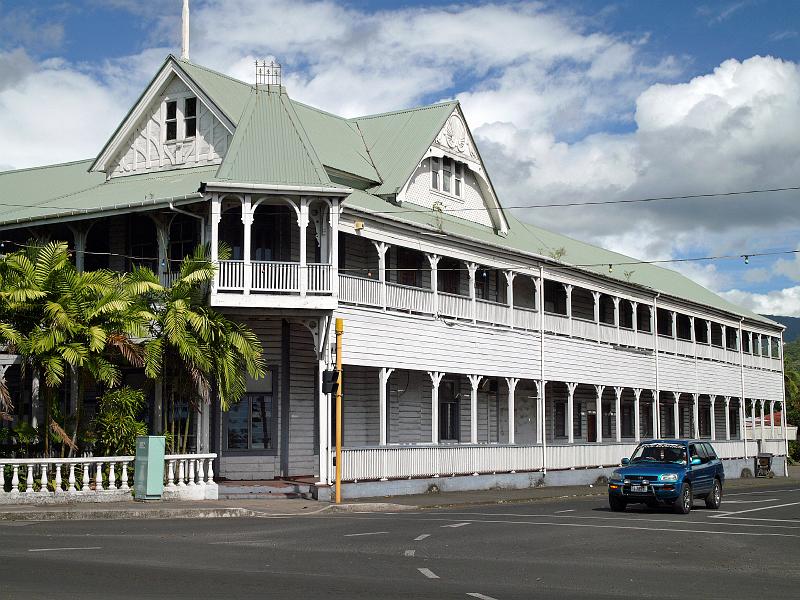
197	348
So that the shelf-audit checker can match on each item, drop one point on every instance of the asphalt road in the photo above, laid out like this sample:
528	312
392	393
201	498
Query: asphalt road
572	548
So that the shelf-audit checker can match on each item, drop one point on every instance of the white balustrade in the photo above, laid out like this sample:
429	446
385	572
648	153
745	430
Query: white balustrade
410	298
608	333
454	305
732	356
735	448
556	323
319	278
718	353
230	275
627	337
644	339
684	347
275	276
587	455
704	350
359	290
487	311
584	328
94	479
526	318
666	344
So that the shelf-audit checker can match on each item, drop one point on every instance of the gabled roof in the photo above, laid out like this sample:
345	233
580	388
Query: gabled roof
270	145
397	141
229	94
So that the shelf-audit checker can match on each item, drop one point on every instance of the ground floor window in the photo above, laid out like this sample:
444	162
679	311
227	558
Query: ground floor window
646	419
577	423
251	424
561	416
704	421
733	415
668	420
449	424
627	420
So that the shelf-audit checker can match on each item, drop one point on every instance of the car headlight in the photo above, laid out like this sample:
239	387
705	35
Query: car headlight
616	475
668	477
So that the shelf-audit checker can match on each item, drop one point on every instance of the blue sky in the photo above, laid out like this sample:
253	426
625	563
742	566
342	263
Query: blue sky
568	100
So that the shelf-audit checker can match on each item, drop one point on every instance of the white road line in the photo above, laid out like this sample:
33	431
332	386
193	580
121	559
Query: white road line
779	491
739	512
62	549
480	596
368	533
409	553
558	512
419	538
456	525
428	573
751	501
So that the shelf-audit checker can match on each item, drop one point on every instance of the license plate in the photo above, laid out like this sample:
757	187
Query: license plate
639	489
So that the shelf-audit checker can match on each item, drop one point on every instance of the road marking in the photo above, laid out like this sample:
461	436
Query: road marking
480	596
739	512
779	491
428	573
368	533
564	511
750	501
456	525
62	549
409	553
419	538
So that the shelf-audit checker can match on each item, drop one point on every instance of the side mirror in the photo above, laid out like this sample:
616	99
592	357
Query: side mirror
696	461
624	461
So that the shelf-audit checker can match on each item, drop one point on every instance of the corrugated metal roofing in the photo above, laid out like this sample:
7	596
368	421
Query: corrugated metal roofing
397	141
229	94
68	190
535	240
271	146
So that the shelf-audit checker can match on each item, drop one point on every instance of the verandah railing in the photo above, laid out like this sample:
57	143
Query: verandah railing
100	479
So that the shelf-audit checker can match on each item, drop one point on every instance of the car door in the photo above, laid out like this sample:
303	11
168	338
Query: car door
701	477
715	464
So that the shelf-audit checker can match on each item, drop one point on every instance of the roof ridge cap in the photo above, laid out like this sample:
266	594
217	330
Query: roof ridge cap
406	110
319	110
212	71
50	166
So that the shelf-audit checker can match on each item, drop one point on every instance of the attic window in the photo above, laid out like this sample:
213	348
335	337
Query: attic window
184	111
190	117
171	121
447	175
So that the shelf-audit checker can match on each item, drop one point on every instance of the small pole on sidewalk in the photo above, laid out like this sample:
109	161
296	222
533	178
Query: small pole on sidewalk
339	333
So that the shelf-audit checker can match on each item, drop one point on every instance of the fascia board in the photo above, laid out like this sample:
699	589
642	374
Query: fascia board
170	67
279	188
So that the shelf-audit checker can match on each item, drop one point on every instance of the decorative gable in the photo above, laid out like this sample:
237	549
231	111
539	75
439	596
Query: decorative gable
177	130
451	178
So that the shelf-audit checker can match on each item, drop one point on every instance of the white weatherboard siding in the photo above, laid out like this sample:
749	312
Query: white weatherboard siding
763	384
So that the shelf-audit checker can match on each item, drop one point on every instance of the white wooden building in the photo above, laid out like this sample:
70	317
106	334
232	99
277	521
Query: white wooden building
474	343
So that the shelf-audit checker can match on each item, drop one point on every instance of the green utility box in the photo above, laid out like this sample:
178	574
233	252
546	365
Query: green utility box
148	470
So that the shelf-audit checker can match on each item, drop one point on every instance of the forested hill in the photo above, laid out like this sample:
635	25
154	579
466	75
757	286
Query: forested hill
792	326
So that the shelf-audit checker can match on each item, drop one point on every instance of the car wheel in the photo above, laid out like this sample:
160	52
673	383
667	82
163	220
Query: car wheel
714	499
683	503
617	504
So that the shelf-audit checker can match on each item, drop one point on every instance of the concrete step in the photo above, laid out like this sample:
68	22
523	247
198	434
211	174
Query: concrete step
265	491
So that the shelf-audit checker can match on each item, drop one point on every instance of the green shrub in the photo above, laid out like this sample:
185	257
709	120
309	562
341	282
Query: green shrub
117	422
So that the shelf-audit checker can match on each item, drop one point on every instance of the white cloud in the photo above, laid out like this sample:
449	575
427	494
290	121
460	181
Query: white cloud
784	302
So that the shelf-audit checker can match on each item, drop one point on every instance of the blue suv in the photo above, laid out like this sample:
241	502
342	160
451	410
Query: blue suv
668	472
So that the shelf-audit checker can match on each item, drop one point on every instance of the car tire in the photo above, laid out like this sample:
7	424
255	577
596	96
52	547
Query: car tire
683	503
714	499
617	504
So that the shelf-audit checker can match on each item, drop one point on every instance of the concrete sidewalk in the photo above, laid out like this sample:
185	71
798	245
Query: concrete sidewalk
212	509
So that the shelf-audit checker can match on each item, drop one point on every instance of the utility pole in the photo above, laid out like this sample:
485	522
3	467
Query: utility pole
339	334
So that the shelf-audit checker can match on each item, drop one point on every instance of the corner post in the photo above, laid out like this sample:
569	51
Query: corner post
511	382
302	223
571	412
473	269
247	221
637	419
618	413
713	400
434	259
676	415
436	379
383	383
510	275
598	422
475	381
216	217
696	416
333	222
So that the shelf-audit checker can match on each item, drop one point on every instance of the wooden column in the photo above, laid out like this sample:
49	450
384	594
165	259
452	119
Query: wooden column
598	424
381	248
727	418
511	382
436	379
216	217
333	218
637	435
618	413
676	415
473	269
475	381
761	416
571	412
568	291
383	383
247	222
596	296
656	416
713	400
433	260
302	223
696	416
510	275
615	300
541	422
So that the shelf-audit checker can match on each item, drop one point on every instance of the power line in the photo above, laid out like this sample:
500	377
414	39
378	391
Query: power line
83	209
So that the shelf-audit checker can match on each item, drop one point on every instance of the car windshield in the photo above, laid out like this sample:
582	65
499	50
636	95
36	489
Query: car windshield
660	453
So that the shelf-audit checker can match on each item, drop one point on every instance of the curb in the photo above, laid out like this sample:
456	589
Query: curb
371	507
110	514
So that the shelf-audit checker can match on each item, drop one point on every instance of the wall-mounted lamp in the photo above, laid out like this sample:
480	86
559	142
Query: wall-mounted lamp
358	225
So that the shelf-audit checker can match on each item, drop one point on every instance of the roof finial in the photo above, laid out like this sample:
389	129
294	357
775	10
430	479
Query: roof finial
185	31
268	73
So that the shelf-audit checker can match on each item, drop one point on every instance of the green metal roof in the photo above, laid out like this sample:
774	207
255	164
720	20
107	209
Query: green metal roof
397	141
229	94
69	190
270	145
530	239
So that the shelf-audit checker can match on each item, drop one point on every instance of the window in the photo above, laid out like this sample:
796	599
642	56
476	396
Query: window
251	423
459	176
709	451
449	413
190	117
171	120
447	174
561	417
627	420
435	166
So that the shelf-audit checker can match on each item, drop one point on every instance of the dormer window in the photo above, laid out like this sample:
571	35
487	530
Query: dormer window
183	111
447	175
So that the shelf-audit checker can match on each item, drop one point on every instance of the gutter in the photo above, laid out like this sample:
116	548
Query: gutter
326	190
